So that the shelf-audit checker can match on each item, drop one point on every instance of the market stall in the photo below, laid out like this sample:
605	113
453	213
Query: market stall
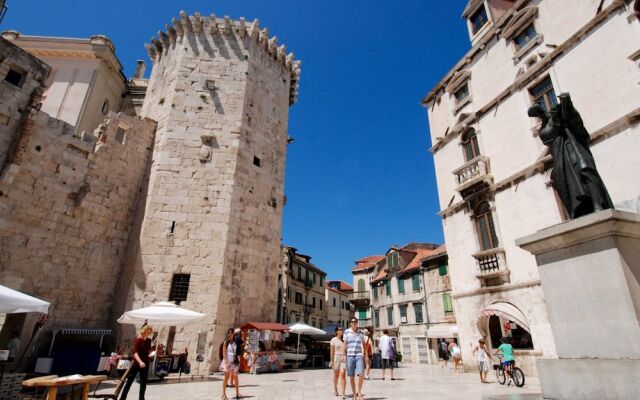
264	345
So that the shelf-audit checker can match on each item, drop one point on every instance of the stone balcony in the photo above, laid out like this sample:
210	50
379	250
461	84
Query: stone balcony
365	322
492	267
360	298
472	175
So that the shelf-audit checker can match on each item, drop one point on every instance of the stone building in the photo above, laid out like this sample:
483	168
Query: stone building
493	172
339	310
86	80
301	290
361	297
403	301
175	197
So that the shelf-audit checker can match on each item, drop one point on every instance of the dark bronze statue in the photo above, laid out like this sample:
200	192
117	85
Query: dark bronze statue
574	173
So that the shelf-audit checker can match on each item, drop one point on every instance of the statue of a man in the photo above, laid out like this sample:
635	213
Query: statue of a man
574	173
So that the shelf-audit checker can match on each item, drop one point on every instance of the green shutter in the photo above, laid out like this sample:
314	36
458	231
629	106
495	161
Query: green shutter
417	307
375	292
443	269
314	277
388	287
390	316
446	302
416	282
400	285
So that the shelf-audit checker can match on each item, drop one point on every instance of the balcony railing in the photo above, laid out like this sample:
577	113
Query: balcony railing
472	172
492	267
359	296
362	322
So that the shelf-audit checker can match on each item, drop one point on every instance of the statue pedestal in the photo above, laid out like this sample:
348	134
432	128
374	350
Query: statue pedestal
590	273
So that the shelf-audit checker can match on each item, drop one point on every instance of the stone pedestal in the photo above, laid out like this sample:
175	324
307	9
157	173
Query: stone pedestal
590	273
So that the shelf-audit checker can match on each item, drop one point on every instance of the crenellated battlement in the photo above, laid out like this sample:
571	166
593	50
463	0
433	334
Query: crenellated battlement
212	26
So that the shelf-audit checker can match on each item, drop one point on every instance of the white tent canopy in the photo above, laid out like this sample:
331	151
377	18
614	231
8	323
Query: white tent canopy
12	301
161	313
304	329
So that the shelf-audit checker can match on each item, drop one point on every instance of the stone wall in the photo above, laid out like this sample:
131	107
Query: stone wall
66	209
220	91
16	99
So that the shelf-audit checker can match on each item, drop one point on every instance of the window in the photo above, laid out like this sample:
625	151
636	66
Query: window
478	19
334	301
387	287
376	318
415	282
417	309
120	135
389	316
313	274
321	281
299	272
485	227
15	77
403	314
446	303
321	304
288	293
442	269
105	107
543	94
313	302
393	260
256	161
375	293
400	285
362	313
298	298
527	35
461	93
179	288
470	145
361	287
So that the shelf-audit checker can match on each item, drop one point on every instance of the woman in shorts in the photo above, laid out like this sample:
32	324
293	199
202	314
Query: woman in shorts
338	363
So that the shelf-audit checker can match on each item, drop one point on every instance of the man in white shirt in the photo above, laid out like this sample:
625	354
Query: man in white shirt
388	355
355	356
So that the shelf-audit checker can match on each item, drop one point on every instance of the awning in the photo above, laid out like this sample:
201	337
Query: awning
442	331
12	301
83	331
265	326
506	311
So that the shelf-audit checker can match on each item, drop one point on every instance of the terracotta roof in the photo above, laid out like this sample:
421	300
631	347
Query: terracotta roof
366	263
344	286
271	326
420	252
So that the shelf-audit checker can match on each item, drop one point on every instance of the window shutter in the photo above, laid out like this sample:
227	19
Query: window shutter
401	285
416	281
442	269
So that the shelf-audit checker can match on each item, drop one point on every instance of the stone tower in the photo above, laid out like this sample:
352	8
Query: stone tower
220	91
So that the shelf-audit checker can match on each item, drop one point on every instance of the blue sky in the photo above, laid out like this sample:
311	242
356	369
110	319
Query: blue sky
359	177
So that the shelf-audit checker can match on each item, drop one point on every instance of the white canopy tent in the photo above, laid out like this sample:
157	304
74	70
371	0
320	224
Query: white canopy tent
12	301
300	328
163	313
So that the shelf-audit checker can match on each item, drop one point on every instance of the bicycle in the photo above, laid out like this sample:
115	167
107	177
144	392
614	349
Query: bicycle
505	368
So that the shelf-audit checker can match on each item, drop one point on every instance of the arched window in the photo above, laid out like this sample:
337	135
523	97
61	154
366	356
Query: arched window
485	227
470	145
361	287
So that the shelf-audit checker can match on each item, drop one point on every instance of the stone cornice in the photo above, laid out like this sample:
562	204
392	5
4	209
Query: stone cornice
495	289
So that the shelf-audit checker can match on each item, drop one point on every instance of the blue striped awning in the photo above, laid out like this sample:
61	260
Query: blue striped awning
83	331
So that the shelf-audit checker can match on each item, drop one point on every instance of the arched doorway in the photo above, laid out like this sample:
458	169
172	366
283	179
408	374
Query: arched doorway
503	319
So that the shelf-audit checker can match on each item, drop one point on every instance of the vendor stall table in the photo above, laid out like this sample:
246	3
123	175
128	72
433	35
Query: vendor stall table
53	382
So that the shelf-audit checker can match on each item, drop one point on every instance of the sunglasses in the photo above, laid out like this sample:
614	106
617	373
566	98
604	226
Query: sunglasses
354	321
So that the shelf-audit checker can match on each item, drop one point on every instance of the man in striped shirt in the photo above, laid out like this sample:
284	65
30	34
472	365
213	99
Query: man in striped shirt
355	355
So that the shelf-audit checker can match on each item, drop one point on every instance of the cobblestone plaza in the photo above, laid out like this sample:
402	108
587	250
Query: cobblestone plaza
412	382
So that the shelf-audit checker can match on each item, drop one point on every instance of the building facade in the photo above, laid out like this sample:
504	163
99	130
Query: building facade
493	172
301	290
411	302
339	309
361	298
181	202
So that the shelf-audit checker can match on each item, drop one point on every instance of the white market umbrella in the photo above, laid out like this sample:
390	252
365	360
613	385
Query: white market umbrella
304	329
12	301
161	313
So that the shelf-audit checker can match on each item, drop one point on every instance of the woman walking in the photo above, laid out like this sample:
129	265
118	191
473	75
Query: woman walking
230	365
141	348
368	351
338	363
